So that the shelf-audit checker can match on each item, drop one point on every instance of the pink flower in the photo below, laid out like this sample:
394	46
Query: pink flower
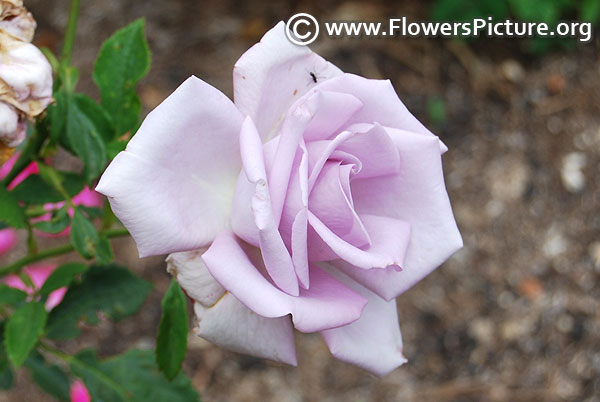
306	205
38	275
6	167
79	393
8	239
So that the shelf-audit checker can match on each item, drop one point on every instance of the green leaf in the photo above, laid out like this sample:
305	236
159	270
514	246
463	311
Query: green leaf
6	373
10	295
62	276
10	211
114	147
58	222
84	235
57	115
548	11
467	10
124	59
23	330
104	253
132	376
112	289
590	10
34	190
171	342
97	115
48	377
91	212
84	138
436	110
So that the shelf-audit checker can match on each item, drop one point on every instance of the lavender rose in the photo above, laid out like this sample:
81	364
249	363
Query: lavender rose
311	202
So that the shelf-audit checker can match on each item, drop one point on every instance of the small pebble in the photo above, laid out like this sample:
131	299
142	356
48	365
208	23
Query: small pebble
571	171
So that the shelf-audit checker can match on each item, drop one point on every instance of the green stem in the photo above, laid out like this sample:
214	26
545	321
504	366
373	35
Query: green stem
69	41
36	211
31	242
53	252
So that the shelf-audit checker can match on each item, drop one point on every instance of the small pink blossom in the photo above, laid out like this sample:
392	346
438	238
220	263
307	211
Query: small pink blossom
79	392
38	275
8	239
7	166
308	203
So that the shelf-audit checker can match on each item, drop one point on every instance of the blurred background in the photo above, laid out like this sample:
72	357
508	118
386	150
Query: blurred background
515	315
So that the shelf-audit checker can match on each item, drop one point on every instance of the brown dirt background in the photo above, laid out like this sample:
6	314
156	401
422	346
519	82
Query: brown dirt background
515	315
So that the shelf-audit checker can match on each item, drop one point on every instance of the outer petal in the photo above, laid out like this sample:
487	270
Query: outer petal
234	326
373	342
25	76
416	195
194	278
8	121
173	185
272	75
327	304
381	103
223	320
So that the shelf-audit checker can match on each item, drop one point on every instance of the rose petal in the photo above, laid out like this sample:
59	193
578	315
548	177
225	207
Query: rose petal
234	326
194	278
8	122
416	195
333	109
333	206
276	257
327	304
374	149
389	241
287	147
173	185
223	320
320	151
272	75
299	247
373	342
380	103
27	72
294	220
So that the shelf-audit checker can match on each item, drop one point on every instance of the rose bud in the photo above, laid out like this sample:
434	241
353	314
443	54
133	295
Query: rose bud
25	75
